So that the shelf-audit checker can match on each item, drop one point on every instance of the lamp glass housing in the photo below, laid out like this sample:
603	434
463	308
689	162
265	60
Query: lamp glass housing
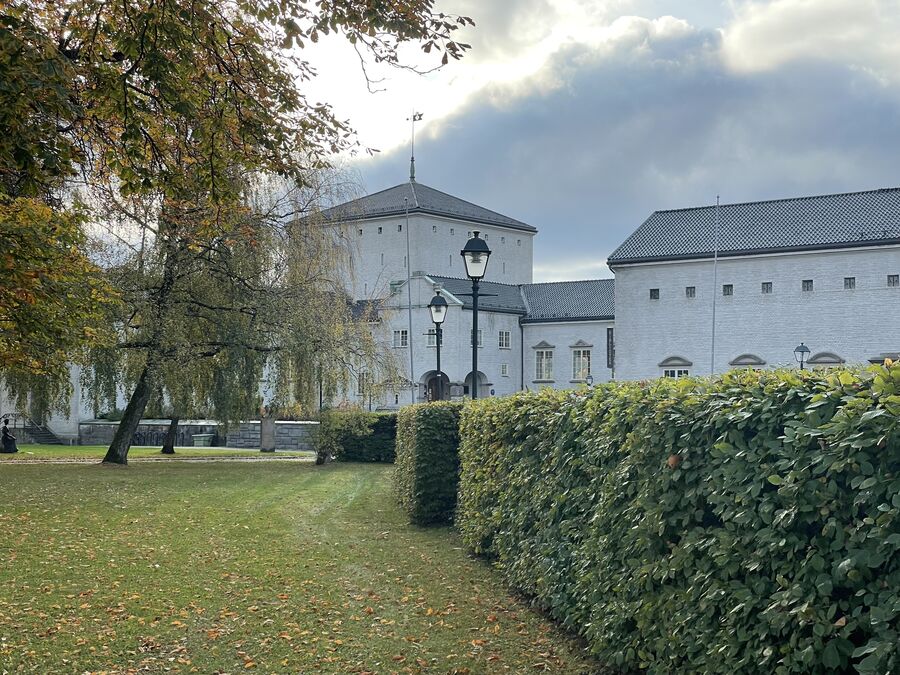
438	309
801	352
475	255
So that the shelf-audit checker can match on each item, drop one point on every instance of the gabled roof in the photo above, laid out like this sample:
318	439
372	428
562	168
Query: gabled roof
570	300
503	298
802	223
420	199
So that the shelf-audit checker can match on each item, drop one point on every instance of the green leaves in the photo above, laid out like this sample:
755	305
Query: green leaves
746	523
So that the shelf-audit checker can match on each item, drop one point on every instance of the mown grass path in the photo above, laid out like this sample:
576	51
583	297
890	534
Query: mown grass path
223	568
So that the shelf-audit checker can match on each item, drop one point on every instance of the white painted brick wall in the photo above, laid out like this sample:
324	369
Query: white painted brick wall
855	324
563	336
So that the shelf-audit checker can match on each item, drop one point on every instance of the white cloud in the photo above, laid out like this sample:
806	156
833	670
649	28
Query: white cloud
858	33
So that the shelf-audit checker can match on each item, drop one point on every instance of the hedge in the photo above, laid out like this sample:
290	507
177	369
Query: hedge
357	436
748	523
426	476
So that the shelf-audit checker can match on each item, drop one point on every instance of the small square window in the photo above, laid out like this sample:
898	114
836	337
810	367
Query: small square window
767	288
849	283
807	285
379	229
727	289
654	294
485	237
690	291
893	280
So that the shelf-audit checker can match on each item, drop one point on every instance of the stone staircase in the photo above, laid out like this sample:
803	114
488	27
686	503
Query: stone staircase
41	434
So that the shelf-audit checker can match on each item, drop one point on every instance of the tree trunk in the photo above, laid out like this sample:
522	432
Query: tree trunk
168	447
121	443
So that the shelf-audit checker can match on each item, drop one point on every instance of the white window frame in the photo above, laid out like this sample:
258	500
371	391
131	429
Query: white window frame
543	365
676	373
432	337
401	338
849	283
766	288
893	280
504	370
480	337
504	344
580	369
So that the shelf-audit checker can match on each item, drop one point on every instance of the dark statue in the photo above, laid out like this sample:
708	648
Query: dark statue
9	441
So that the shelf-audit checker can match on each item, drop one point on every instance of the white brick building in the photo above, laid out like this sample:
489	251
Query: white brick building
818	270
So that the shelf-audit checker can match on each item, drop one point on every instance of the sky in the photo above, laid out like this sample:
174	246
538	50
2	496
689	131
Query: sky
582	117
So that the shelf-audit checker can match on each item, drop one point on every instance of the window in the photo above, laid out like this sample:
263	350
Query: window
399	228
396	399
543	364
379	229
360	232
690	291
505	339
807	285
382	258
610	347
432	337
849	283
480	338
401	338
452	230
404	261
893	280
504	370
502	240
469	234
727	289
767	288
654	294
581	364
434	228
504	268
518	242
485	237
361	384
676	373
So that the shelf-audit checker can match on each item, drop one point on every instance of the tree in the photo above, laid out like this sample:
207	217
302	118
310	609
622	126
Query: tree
175	105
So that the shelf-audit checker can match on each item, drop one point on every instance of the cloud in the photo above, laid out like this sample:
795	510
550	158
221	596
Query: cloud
652	116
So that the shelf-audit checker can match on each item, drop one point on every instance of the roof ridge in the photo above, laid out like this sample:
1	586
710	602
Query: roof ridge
412	188
499	283
779	200
569	281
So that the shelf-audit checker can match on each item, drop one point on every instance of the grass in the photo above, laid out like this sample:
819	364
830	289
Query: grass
32	452
226	568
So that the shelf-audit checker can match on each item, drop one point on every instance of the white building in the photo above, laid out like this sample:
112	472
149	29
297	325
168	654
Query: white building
824	271
696	291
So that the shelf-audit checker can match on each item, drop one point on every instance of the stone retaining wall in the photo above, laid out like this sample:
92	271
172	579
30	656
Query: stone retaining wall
149	432
288	435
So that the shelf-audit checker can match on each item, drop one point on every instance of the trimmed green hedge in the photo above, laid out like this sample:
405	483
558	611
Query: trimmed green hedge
357	436
427	472
749	523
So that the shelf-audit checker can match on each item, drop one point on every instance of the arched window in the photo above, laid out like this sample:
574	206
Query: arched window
675	367
825	359
747	361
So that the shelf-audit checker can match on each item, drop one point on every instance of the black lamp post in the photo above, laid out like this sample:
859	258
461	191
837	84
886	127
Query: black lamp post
438	309
475	256
801	353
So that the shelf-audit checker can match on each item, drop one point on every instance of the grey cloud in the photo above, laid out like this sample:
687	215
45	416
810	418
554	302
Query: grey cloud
654	122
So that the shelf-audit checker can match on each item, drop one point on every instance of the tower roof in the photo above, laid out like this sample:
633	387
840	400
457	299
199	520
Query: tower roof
420	199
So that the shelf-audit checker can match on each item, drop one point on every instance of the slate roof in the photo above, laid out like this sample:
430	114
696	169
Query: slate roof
570	300
506	297
421	199
537	303
801	223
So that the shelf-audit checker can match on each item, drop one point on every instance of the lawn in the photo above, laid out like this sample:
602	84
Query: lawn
32	452
227	567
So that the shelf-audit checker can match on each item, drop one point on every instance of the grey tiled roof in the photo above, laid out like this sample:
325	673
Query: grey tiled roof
801	223
570	300
421	199
558	301
505	298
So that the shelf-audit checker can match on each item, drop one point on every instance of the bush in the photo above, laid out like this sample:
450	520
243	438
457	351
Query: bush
427	472
352	435
749	523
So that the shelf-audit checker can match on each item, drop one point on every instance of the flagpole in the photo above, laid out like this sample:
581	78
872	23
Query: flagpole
712	357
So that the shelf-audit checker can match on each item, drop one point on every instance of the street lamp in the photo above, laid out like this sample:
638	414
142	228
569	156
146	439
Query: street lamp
801	353
475	256
589	380
438	309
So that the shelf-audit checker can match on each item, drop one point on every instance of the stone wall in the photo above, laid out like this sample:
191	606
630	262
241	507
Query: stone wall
288	435
149	432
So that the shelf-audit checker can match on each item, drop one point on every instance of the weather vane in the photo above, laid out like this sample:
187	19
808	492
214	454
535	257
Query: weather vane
416	117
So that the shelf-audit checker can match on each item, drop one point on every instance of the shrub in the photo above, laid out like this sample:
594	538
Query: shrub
353	435
427	472
748	523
